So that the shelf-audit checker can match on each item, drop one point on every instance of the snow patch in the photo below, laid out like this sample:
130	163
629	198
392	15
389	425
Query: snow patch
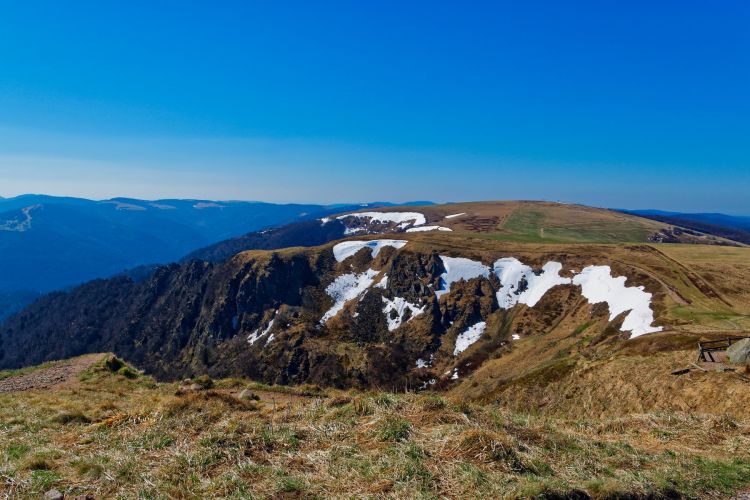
345	288
515	336
383	283
162	206
324	221
427	228
539	285
400	305
455	215
512	273
207	204
346	249
509	271
404	219
471	335
459	268
598	285
520	285
257	334
421	363
19	225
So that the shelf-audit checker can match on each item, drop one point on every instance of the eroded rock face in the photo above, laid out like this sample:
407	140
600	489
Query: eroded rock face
263	317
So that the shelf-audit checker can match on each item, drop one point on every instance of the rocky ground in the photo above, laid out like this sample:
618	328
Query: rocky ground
64	373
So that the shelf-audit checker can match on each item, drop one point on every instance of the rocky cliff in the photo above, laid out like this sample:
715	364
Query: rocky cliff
378	313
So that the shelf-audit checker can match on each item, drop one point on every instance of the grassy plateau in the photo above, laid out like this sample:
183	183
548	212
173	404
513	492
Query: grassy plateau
112	434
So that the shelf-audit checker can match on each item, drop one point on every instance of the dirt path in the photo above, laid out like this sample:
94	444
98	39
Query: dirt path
61	374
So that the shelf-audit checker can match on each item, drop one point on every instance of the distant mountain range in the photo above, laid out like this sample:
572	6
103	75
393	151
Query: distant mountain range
733	227
50	243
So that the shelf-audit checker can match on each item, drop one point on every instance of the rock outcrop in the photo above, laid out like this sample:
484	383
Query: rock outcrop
739	352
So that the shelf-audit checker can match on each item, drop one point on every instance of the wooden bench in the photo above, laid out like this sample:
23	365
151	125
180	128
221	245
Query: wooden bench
706	348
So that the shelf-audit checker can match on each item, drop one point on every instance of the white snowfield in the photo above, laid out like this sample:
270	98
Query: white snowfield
459	268
455	215
598	285
403	219
400	305
427	228
471	335
383	283
347	287
510	271
518	285
596	282
346	249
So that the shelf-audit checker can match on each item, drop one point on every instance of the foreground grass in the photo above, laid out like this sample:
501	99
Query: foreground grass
130	437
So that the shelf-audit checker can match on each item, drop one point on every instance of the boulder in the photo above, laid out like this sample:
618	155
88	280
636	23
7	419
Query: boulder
248	394
739	352
53	495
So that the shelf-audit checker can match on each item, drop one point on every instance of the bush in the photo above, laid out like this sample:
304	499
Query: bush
128	372
114	364
291	485
362	407
395	429
204	380
433	403
71	417
339	401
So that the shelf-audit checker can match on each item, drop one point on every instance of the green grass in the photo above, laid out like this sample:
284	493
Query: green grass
395	428
139	438
532	226
716	319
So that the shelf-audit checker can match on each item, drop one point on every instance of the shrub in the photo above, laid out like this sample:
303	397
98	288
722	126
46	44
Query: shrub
433	403
114	364
395	429
204	380
128	372
72	417
289	484
362	407
339	401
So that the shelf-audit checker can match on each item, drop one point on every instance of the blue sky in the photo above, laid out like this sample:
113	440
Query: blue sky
619	104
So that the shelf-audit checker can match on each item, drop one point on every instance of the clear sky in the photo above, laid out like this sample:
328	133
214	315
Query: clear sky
611	103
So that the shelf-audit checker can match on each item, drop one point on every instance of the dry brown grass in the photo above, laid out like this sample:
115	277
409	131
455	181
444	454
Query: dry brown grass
135	438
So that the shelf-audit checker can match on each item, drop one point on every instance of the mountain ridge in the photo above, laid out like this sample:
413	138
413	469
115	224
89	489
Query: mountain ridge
218	317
